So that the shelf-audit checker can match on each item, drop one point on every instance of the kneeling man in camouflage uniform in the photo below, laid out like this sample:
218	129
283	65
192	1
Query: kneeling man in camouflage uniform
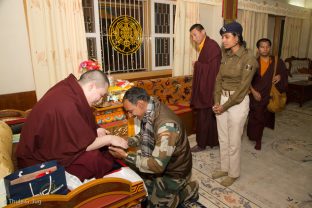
163	157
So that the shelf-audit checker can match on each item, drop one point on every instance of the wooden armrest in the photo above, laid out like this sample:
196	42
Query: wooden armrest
104	192
12	113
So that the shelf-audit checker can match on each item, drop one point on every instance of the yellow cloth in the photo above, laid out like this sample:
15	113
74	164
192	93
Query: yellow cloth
264	66
201	45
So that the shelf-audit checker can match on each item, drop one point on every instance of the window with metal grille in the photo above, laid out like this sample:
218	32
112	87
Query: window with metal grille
163	13
156	18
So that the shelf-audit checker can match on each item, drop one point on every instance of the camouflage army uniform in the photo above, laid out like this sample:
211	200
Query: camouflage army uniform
167	170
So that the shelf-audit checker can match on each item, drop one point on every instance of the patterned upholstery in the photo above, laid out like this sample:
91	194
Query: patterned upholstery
298	69
173	91
296	65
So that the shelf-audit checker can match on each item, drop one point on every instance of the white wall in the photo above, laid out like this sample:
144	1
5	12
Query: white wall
15	61
211	18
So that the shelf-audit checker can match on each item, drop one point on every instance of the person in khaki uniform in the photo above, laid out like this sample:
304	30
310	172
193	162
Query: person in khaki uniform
231	107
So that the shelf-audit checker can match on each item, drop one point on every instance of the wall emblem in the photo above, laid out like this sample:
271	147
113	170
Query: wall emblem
125	35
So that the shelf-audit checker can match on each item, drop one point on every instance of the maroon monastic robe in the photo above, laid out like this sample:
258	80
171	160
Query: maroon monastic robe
60	127
204	77
259	117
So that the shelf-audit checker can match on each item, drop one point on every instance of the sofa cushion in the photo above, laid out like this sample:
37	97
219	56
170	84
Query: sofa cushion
180	108
6	164
170	90
175	92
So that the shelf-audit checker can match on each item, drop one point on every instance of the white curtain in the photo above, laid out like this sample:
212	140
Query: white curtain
255	26
187	14
57	40
291	38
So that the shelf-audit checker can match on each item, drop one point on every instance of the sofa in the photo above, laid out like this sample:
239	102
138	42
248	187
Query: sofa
298	69
174	92
110	191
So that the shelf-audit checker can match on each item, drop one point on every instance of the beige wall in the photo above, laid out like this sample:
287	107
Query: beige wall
15	61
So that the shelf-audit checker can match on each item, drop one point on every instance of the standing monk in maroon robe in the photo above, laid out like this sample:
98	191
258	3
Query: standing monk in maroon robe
62	127
259	116
206	69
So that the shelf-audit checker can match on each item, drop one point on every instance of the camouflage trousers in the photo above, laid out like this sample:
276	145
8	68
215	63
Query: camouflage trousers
168	192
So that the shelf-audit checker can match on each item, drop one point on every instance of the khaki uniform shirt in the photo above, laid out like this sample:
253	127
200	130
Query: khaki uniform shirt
235	74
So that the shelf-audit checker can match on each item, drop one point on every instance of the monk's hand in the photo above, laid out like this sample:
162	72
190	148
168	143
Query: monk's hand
102	132
118	142
193	63
276	79
118	152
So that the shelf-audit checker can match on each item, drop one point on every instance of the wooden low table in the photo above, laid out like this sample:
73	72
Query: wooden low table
299	91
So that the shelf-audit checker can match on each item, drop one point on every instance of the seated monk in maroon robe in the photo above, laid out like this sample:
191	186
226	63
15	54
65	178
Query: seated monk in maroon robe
62	127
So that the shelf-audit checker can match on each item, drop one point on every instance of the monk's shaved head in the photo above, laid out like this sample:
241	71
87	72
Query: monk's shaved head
96	76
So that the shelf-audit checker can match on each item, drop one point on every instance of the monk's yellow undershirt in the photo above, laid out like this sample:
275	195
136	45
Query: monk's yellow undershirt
264	65
201	45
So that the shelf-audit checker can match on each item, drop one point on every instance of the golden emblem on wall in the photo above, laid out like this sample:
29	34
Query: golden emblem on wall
125	35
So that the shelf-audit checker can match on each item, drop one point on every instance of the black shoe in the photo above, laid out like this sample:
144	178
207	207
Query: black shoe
258	145
189	202
144	203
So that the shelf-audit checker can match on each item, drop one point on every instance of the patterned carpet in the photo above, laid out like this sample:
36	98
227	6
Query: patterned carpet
278	176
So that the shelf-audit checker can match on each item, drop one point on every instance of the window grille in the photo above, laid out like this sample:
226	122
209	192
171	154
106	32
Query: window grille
156	50
163	16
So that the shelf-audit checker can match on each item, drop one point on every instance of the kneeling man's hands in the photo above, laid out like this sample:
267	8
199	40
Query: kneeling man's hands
118	152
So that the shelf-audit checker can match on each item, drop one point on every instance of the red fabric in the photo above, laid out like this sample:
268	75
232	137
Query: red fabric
205	72
60	126
91	164
15	120
206	128
179	108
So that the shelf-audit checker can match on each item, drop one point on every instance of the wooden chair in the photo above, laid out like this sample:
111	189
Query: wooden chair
14	118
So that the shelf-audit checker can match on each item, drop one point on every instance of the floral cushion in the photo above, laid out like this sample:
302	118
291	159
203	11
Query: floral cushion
170	90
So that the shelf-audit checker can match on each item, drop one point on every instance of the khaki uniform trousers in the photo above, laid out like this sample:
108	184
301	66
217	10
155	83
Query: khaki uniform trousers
230	130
